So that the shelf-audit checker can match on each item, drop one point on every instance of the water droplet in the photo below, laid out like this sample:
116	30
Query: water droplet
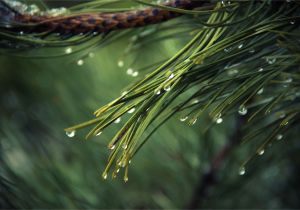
80	62
32	9
104	175
111	146
129	71
282	116
182	119
243	110
195	101
126	179
129	161
225	3
271	60
130	111
242	171
68	50
260	91
232	72
91	54
260	69
99	133
194	121
171	76
167	88
21	33
252	51
124	146
218	118
120	63
71	134
292	22
118	120
157	92
240	46
227	49
261	152
279	136
289	80
135	74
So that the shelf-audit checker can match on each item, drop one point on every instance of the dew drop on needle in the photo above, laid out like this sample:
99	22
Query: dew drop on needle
71	134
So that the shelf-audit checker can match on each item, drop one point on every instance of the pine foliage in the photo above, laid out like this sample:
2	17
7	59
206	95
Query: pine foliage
243	58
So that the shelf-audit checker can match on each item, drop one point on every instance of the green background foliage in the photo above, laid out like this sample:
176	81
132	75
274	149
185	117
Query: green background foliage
42	168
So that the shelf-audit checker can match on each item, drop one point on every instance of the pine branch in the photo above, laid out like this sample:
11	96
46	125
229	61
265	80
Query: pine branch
230	62
33	27
243	55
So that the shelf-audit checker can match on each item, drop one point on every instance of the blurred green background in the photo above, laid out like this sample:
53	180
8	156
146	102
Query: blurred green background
42	168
